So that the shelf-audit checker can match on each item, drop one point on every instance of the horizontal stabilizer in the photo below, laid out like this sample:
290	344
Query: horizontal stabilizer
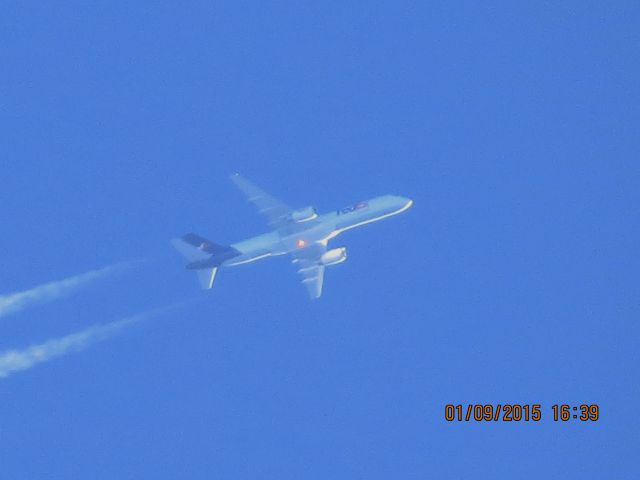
202	253
189	251
204	245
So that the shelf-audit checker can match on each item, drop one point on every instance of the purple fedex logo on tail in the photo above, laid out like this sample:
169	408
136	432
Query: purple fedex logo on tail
301	233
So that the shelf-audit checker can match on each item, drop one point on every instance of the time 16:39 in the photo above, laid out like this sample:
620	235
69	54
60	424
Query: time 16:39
583	412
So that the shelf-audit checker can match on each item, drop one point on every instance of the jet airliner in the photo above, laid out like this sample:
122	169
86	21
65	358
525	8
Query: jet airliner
302	233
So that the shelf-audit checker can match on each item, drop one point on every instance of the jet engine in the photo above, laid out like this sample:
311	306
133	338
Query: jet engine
333	257
304	214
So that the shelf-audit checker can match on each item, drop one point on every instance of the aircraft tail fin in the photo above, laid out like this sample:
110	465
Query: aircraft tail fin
204	256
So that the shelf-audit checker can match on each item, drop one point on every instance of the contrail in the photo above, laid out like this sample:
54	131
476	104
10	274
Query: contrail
16	360
17	301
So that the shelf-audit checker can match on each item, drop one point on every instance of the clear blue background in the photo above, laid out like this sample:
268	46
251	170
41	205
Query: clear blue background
513	278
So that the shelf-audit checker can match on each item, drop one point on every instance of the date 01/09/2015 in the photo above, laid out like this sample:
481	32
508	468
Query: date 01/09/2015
510	412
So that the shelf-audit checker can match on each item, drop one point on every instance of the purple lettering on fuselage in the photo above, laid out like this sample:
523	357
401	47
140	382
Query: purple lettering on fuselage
353	208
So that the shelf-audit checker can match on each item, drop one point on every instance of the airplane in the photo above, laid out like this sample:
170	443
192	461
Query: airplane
302	233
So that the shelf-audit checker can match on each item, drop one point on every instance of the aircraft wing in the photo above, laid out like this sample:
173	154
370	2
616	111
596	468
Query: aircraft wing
277	213
310	268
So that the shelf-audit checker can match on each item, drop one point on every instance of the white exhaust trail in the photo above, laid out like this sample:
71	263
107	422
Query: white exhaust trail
18	301
12	361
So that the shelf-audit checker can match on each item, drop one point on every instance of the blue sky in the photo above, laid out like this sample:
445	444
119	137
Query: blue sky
513	279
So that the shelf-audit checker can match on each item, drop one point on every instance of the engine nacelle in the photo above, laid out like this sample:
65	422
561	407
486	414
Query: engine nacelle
333	257
304	215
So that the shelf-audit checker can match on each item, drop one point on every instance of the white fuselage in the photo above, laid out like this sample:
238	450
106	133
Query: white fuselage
319	230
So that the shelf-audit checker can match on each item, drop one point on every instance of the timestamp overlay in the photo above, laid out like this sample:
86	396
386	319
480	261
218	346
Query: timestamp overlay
521	412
